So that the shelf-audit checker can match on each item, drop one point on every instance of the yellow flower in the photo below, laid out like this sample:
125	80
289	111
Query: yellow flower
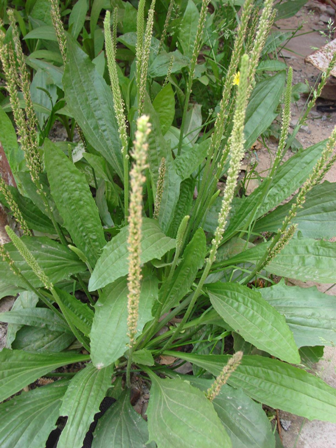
236	79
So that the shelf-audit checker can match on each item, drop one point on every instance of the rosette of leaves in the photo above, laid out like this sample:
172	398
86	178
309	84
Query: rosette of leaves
203	260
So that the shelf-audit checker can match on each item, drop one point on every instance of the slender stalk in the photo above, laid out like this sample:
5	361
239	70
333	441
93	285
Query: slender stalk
237	153
110	45
134	235
193	62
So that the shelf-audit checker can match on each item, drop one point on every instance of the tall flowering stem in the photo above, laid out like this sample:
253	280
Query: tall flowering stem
119	109
223	377
140	36
159	188
166	24
4	189
25	121
226	110
193	62
58	25
145	59
134	231
236	143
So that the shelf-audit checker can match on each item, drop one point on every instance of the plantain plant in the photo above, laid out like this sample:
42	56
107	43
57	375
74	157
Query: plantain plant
129	262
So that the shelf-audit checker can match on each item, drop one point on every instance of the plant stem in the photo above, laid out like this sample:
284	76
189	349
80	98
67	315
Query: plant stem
128	368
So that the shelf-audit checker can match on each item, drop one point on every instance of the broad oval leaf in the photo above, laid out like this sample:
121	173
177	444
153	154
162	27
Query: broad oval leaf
35	317
188	29
262	107
19	368
316	218
90	102
80	314
302	259
25	300
75	203
81	402
42	340
310	314
122	427
306	259
56	260
253	318
113	262
274	383
244	420
164	104
180	415
109	330
77	17
28	420
170	195
288	178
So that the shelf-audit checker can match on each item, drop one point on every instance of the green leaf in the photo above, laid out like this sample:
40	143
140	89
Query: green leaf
113	262
35	219
244	420
77	17
183	205
190	159
316	218
90	102
28	420
271	65
44	32
311	355
41	11
43	94
184	276
143	357
164	104
288	178
19	368
81	402
25	300
170	195
306	259
35	317
262	108
274	383
288	9
276	40
97	6
159	66
121	426
57	261
80	314
42	340
254	319
188	29
9	141
55	73
193	123
310	314
157	147
109	330
75	203
180	415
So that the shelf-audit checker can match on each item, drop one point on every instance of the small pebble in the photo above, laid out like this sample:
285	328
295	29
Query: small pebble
286	424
